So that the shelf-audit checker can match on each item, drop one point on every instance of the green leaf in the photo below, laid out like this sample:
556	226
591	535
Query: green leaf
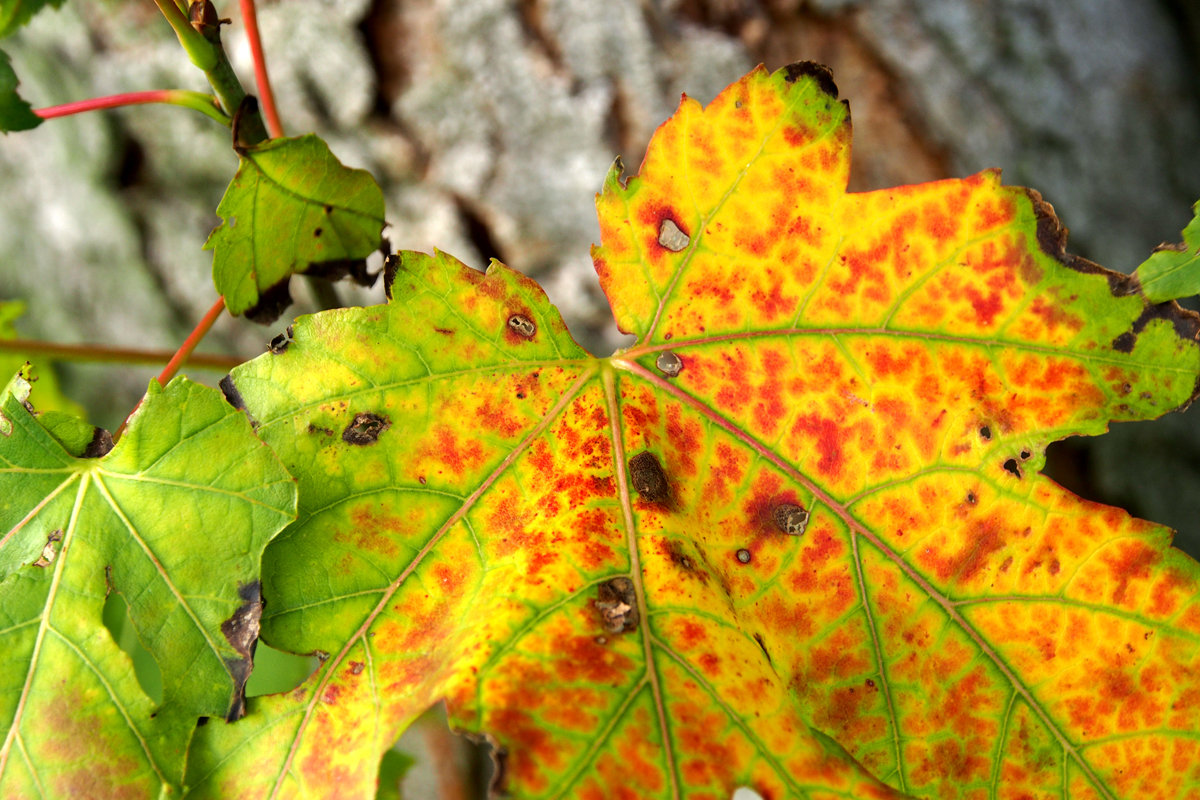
15	113
794	538
47	394
15	13
174	518
292	208
392	768
1174	271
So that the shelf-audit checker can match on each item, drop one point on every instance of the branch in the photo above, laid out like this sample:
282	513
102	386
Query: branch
116	355
206	104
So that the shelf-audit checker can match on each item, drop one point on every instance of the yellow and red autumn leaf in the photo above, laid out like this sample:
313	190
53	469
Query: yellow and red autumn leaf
795	538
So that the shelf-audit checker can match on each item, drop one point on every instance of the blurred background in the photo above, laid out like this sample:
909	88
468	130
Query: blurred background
490	125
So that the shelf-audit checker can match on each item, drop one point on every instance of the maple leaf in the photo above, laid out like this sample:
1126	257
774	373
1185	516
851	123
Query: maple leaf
794	538
292	208
174	518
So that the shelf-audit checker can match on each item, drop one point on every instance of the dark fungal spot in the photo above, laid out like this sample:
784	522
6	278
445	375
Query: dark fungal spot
523	325
971	498
669	363
279	345
648	477
1011	466
616	603
338	268
985	433
232	395
790	519
743	556
818	72
317	233
365	429
241	631
328	209
870	683
271	303
100	445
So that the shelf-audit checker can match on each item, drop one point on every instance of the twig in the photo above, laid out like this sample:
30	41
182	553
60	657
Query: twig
117	355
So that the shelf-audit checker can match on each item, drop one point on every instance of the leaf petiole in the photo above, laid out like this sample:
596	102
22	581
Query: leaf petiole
200	50
250	20
181	355
206	104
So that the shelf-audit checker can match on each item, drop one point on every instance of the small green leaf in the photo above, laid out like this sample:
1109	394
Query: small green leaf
1174	271
392	769
175	518
15	113
15	13
47	395
292	207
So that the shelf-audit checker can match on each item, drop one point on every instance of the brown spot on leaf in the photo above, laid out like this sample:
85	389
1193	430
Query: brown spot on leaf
617	605
671	236
743	556
790	519
669	363
522	325
100	445
365	429
648	477
48	552
241	631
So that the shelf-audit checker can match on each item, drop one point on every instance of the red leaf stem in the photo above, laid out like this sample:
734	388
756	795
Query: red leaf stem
250	20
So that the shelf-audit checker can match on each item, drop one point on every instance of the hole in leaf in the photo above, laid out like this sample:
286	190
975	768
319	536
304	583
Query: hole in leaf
1025	454
985	433
116	619
746	793
276	671
1011	466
